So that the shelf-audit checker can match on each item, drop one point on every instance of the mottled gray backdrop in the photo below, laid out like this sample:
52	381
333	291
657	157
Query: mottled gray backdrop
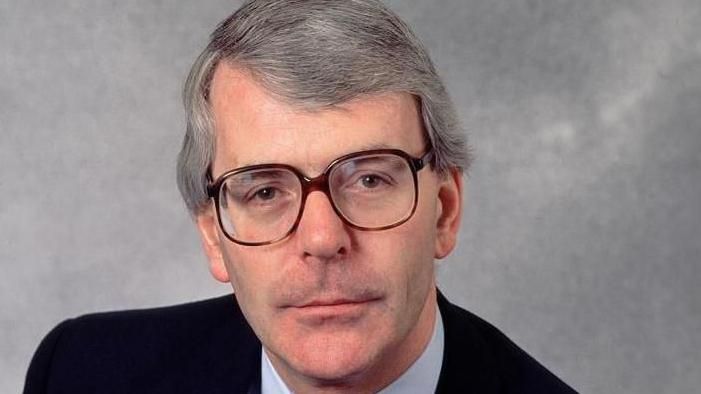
582	233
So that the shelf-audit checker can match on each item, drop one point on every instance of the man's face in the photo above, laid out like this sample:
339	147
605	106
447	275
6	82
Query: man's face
330	303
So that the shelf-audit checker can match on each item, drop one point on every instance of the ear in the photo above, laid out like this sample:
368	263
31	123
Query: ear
211	242
449	212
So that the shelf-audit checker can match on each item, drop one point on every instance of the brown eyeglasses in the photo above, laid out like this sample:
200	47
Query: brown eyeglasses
370	190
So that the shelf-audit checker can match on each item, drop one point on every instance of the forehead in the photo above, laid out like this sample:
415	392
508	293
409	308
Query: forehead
253	126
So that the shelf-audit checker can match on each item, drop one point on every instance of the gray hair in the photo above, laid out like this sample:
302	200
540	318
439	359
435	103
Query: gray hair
316	54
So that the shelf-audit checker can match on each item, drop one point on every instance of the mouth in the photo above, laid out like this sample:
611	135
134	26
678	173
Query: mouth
319	311
333	302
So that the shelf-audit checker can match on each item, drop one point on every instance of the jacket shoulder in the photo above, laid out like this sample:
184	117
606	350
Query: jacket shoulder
480	356
149	350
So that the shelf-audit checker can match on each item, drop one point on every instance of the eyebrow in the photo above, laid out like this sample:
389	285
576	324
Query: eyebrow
370	146
263	173
376	146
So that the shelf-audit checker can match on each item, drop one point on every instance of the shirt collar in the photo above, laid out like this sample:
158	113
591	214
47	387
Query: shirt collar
421	377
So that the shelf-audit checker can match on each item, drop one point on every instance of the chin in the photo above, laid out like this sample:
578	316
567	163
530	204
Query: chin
333	358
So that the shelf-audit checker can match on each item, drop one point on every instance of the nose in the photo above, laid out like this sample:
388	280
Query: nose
321	234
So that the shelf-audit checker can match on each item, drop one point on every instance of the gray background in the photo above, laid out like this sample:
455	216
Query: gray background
581	238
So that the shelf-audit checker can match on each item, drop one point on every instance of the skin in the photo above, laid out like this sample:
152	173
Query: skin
337	309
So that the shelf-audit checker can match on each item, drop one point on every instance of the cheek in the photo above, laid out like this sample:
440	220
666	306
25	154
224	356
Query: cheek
404	256
419	233
250	278
251	268
417	242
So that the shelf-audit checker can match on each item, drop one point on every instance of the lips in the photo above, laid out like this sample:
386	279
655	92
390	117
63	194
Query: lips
332	312
334	302
295	298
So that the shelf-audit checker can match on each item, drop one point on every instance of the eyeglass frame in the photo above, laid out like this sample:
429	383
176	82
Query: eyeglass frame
318	183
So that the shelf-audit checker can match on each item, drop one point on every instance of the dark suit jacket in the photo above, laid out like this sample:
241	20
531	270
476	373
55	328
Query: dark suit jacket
208	347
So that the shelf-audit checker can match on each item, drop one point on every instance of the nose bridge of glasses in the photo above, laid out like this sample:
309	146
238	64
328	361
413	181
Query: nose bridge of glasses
319	183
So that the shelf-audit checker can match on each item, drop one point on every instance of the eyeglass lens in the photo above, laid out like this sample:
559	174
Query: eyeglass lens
370	192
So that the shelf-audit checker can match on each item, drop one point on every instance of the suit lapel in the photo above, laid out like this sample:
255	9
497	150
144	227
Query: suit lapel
467	365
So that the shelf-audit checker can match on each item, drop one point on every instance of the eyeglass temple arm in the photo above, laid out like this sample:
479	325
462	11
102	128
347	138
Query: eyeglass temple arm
209	187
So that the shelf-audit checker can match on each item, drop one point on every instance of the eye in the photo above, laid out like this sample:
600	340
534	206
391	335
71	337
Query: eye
264	194
371	181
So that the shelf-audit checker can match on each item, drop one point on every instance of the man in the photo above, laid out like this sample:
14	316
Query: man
323	166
